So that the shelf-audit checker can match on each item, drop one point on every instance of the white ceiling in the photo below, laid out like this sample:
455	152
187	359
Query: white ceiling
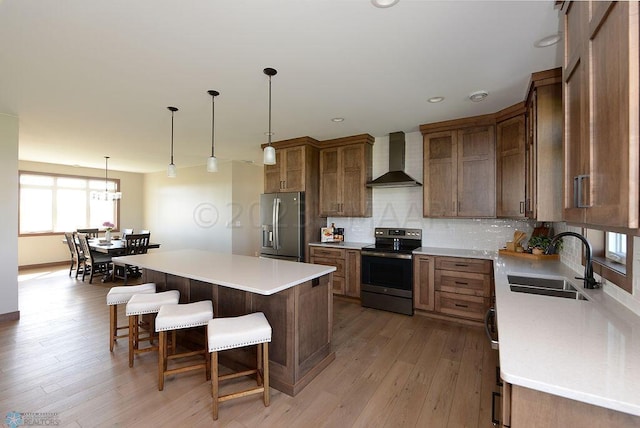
93	78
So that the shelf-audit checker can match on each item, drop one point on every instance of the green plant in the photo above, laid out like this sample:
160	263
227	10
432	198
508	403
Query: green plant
542	242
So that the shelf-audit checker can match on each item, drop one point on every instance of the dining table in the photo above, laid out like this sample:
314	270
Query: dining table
115	247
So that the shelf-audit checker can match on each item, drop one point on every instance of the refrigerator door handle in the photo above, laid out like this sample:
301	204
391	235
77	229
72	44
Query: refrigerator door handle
276	223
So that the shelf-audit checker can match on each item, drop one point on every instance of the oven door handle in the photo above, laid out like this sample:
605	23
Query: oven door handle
387	255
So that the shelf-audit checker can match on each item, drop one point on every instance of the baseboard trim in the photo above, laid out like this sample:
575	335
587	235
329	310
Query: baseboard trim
11	316
44	265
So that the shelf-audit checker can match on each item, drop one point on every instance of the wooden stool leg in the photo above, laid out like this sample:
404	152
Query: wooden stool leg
113	325
259	372
173	341
133	320
265	371
206	352
214	384
162	358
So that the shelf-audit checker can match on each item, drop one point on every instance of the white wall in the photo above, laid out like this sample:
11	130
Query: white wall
402	207
34	250
9	215
200	210
247	186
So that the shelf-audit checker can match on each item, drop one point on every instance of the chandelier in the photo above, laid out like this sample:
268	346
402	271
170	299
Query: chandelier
107	195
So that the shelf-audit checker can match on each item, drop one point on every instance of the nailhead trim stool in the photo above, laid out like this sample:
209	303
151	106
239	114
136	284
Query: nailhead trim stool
120	296
176	317
237	332
141	304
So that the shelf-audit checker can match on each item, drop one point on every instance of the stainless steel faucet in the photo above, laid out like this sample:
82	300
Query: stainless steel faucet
589	280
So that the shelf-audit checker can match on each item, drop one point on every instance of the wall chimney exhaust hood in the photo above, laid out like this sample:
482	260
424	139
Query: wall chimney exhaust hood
396	177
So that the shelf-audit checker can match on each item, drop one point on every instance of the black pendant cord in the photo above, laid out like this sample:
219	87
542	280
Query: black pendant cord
106	179
270	72
213	94
173	110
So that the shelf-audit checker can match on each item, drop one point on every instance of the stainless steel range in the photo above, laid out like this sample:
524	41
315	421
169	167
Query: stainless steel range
387	270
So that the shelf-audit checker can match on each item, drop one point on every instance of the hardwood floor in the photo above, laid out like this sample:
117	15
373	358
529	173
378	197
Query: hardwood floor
390	370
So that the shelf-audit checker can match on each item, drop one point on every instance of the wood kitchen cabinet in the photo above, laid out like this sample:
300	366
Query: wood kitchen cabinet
423	282
463	287
345	168
601	81
510	157
454	288
459	168
532	408
544	146
296	166
346	278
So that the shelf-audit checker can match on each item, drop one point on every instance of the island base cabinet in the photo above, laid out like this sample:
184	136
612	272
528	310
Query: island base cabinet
536	409
301	320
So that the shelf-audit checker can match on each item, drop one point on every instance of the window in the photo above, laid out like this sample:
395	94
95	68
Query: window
616	247
60	203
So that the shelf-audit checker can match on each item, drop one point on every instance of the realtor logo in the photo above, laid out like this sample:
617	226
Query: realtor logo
14	419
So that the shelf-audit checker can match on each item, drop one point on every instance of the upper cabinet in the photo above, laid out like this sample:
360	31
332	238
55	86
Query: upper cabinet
601	113
510	157
296	166
459	168
345	169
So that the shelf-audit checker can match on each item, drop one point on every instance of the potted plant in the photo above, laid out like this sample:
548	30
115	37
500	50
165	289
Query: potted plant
539	244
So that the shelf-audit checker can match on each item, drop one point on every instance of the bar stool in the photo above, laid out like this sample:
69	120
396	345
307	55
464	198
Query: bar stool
237	332
119	296
141	304
176	317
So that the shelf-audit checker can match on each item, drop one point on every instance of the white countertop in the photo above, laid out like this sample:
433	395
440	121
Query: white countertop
344	244
252	274
583	350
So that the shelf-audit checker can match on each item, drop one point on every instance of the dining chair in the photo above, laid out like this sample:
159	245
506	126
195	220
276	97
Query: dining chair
76	256
94	262
91	233
136	243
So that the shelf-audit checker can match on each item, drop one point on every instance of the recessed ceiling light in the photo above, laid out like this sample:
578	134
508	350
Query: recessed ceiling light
478	96
337	119
436	99
548	41
384	3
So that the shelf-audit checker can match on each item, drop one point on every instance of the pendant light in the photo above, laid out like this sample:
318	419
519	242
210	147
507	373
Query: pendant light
269	151
171	170
106	195
212	162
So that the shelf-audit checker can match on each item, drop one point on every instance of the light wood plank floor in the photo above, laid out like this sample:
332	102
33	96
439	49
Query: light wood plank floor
390	370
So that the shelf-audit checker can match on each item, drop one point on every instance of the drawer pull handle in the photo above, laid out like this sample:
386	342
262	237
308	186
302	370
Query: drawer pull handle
461	265
461	306
462	283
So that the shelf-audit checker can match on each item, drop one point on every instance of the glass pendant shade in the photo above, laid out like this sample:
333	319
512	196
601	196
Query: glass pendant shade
212	164
269	156
171	171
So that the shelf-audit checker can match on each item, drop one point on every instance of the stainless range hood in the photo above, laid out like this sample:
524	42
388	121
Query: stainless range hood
396	177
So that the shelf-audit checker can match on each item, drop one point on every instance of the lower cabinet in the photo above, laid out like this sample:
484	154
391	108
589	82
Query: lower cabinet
453	286
346	278
531	408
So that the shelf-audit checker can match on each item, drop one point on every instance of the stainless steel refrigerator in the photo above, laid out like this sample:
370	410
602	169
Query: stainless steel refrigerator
282	219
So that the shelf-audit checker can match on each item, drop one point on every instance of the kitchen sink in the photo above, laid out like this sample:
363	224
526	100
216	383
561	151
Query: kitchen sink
544	286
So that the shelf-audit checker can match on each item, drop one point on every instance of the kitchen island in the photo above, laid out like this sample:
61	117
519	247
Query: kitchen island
296	298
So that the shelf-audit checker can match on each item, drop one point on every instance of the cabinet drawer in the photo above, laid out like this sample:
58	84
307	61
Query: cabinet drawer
470	283
460	264
459	305
327	252
338	263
